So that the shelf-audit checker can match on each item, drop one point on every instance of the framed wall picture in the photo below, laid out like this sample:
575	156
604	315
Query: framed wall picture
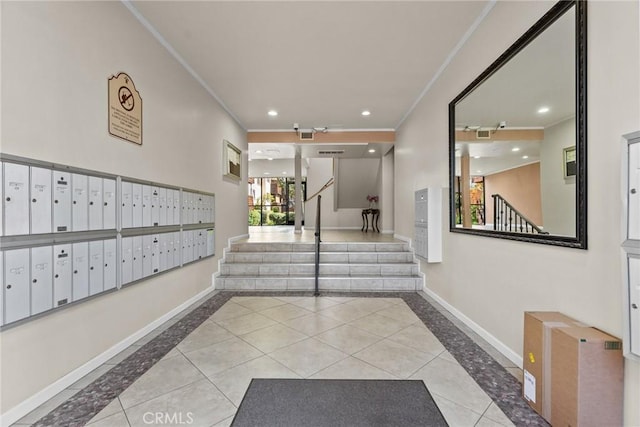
569	161
232	158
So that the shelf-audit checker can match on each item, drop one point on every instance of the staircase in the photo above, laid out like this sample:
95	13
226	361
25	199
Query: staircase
383	266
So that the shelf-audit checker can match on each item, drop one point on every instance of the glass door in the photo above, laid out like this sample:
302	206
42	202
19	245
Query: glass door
271	201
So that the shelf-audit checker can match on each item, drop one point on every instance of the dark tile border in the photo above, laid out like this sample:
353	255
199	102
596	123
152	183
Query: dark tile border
492	377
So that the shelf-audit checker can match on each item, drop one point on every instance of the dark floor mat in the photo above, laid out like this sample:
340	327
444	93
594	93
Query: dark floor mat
311	403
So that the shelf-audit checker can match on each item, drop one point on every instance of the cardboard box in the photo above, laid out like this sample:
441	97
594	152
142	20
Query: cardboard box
586	378
536	357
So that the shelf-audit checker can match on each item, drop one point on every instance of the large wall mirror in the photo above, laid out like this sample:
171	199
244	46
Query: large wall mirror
517	138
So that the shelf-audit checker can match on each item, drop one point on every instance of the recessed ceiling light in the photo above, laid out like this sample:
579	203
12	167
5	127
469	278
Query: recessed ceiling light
258	151
543	110
476	157
270	158
515	149
272	113
478	171
525	157
371	150
366	113
267	173
284	172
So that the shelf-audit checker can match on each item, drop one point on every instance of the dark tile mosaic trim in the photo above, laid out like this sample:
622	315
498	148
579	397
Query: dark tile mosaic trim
85	404
494	379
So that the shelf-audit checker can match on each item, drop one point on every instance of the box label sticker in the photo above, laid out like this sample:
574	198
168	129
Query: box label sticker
529	386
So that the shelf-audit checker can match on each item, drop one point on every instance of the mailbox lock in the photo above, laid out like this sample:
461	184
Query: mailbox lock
634	306
35	280
8	199
90	203
633	191
91	268
106	265
33	200
74	202
75	271
105	203
8	286
56	276
55	201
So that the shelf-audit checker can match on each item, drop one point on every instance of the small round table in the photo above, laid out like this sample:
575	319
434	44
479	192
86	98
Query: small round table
375	216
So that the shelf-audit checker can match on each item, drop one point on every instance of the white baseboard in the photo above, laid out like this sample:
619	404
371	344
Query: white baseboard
403	238
499	345
341	228
236	238
28	405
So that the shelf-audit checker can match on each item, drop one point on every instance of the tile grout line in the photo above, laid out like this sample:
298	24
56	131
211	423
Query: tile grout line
81	407
501	387
84	405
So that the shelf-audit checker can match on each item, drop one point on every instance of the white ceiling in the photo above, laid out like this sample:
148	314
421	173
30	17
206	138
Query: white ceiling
318	63
540	75
321	63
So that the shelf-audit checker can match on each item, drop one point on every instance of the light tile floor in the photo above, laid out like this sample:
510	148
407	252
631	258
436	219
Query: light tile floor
286	234
202	380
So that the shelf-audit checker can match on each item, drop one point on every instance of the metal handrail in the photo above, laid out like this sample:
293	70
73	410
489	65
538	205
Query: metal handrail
317	234
508	218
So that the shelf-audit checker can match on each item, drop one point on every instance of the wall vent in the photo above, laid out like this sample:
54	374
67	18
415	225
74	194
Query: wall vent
483	134
330	152
306	136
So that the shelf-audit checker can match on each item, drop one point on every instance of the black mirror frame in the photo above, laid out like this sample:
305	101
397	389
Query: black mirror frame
580	239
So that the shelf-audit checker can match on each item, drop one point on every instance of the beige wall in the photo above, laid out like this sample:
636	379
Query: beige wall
494	289
520	187
558	193
56	59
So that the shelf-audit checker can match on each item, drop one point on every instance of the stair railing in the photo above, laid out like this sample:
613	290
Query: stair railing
508	218
317	234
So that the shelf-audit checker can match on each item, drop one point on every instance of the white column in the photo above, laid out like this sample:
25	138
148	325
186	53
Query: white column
298	191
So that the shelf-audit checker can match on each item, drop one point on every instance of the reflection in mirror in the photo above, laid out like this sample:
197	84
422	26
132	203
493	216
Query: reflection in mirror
518	140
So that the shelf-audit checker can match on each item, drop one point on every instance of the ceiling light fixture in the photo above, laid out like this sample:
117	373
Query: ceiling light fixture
272	113
270	158
514	149
366	113
258	151
543	110
372	150
476	157
525	157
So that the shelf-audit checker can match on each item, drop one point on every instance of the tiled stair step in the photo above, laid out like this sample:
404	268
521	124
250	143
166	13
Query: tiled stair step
325	257
324	283
324	247
297	270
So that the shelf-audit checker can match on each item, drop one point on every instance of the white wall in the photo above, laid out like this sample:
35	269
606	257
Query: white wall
56	59
319	172
492	281
558	194
387	193
355	180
